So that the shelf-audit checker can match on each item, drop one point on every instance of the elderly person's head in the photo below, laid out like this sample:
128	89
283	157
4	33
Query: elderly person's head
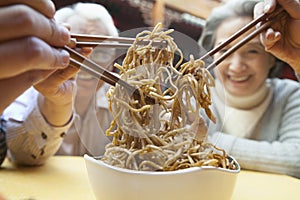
94	19
245	71
90	18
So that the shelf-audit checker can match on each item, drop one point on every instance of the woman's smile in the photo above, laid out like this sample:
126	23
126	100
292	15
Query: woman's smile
238	79
246	70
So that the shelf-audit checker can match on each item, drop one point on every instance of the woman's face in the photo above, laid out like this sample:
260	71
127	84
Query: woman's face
244	71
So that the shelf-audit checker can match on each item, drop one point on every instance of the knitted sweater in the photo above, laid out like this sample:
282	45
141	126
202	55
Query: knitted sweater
274	145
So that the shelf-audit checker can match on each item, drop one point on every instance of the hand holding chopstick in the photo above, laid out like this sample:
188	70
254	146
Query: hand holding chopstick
270	18
283	39
96	70
79	61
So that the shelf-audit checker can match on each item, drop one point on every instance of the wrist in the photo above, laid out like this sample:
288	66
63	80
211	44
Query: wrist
55	114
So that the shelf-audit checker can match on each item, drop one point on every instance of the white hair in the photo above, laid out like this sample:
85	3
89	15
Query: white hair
89	11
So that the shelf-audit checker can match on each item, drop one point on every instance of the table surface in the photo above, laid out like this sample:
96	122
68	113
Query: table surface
65	178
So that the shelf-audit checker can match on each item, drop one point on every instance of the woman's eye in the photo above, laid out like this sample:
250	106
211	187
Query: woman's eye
253	51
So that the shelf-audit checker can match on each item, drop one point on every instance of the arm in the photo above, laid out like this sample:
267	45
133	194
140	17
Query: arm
31	140
37	123
277	148
279	156
283	38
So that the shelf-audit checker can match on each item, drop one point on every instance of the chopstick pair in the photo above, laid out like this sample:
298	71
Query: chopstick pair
79	61
84	40
270	18
87	65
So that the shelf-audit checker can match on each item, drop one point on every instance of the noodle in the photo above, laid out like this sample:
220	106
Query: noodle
161	137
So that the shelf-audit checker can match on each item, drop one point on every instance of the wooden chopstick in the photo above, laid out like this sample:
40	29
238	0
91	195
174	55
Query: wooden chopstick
79	61
94	73
82	40
86	40
270	17
100	38
88	64
103	45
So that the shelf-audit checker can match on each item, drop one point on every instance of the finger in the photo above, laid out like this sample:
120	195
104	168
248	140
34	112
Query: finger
62	75
11	88
29	22
270	34
292	7
46	7
264	40
50	85
258	9
270	38
85	51
22	55
269	6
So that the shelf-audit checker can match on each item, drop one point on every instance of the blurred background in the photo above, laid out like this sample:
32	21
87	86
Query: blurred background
185	16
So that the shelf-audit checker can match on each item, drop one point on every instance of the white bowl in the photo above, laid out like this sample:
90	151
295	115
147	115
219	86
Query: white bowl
114	183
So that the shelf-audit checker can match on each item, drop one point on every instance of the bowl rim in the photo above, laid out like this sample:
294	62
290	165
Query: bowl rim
187	170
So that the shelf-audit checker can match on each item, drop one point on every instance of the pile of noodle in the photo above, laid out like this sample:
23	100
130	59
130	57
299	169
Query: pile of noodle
170	134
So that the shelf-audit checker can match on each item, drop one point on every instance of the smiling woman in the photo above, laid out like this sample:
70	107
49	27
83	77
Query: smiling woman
258	118
245	71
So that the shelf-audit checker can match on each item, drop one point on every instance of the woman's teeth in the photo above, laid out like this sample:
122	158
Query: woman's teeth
238	79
